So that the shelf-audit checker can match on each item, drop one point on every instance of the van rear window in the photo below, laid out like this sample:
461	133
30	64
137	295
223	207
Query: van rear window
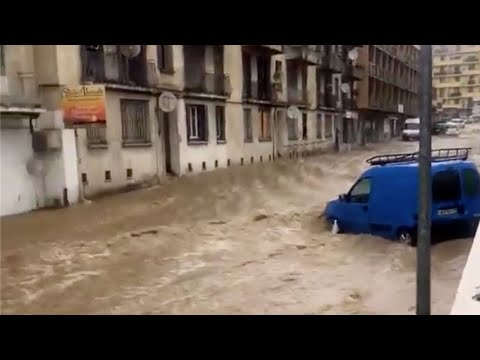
446	186
471	182
412	126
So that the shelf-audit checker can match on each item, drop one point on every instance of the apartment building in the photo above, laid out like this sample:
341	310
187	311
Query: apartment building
30	177
235	105
456	78
388	93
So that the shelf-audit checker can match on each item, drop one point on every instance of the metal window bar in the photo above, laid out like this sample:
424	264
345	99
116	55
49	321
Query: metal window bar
135	121
437	155
96	134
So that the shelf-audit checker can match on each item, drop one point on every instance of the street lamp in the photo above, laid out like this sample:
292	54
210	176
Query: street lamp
425	181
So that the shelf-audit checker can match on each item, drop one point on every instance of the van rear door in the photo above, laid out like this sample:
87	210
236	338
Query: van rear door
447	199
471	192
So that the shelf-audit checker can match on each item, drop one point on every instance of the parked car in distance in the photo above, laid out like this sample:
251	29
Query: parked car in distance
439	127
411	129
452	130
460	123
384	199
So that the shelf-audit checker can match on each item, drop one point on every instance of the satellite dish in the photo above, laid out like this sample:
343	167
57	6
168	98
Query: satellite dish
293	112
130	51
353	54
345	88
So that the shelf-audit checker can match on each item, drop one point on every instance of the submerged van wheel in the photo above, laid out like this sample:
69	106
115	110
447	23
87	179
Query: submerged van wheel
406	236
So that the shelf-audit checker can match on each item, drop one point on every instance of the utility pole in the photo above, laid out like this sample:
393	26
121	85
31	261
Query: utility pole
425	182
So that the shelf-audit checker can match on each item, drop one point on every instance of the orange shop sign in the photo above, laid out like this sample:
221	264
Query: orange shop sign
84	104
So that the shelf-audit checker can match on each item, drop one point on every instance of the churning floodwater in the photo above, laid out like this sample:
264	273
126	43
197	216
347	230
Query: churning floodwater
244	240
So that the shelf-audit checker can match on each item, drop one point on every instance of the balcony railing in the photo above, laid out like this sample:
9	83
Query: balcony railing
297	96
262	91
326	100
471	58
355	72
273	49
208	83
114	68
332	62
22	93
303	53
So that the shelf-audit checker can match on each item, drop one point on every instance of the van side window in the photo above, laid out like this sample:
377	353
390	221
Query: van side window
360	192
446	186
471	182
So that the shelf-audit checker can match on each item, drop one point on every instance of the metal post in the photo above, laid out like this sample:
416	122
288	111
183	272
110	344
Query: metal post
425	158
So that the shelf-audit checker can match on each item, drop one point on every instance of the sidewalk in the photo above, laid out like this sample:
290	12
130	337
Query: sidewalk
469	284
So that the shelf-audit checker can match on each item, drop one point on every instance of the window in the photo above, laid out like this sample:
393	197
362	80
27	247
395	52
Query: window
220	122
456	101
2	59
471	182
360	193
135	121
319	126
97	134
304	127
247	124
456	69
328	126
471	67
165	58
197	123
292	128
265	129
446	186
442	92
470	89
457	78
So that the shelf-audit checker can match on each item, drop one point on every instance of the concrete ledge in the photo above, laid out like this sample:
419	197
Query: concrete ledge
469	287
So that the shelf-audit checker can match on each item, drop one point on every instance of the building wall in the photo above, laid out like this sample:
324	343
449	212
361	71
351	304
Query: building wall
456	76
117	158
18	187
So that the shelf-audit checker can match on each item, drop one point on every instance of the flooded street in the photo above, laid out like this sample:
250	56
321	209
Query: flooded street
245	240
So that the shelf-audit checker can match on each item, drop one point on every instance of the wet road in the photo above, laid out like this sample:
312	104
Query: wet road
245	240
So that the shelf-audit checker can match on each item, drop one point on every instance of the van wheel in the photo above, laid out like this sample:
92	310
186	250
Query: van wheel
406	236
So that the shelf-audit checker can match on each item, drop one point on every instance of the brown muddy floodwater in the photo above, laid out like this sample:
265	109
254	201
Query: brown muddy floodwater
244	240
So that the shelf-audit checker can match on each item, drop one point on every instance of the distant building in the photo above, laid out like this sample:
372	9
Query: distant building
388	92
456	78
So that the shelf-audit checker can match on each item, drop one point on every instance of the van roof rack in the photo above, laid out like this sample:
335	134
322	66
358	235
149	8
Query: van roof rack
437	155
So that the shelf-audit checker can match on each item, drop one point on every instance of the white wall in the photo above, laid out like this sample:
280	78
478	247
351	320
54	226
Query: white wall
145	162
469	283
17	186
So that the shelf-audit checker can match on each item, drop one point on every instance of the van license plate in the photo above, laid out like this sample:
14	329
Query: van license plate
447	212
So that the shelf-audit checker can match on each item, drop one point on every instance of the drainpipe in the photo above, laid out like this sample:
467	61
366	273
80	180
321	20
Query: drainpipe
157	115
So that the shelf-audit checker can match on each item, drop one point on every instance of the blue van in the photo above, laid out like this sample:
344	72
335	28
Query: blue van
384	199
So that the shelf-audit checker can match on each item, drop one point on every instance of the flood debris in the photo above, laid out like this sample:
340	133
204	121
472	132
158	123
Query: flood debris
146	232
260	217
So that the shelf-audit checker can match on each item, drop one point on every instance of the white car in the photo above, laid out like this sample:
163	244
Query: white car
452	130
459	123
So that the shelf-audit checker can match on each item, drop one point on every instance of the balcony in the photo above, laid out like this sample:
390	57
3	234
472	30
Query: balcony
332	63
471	59
326	100
271	49
259	91
297	96
208	83
108	66
354	72
307	54
21	99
